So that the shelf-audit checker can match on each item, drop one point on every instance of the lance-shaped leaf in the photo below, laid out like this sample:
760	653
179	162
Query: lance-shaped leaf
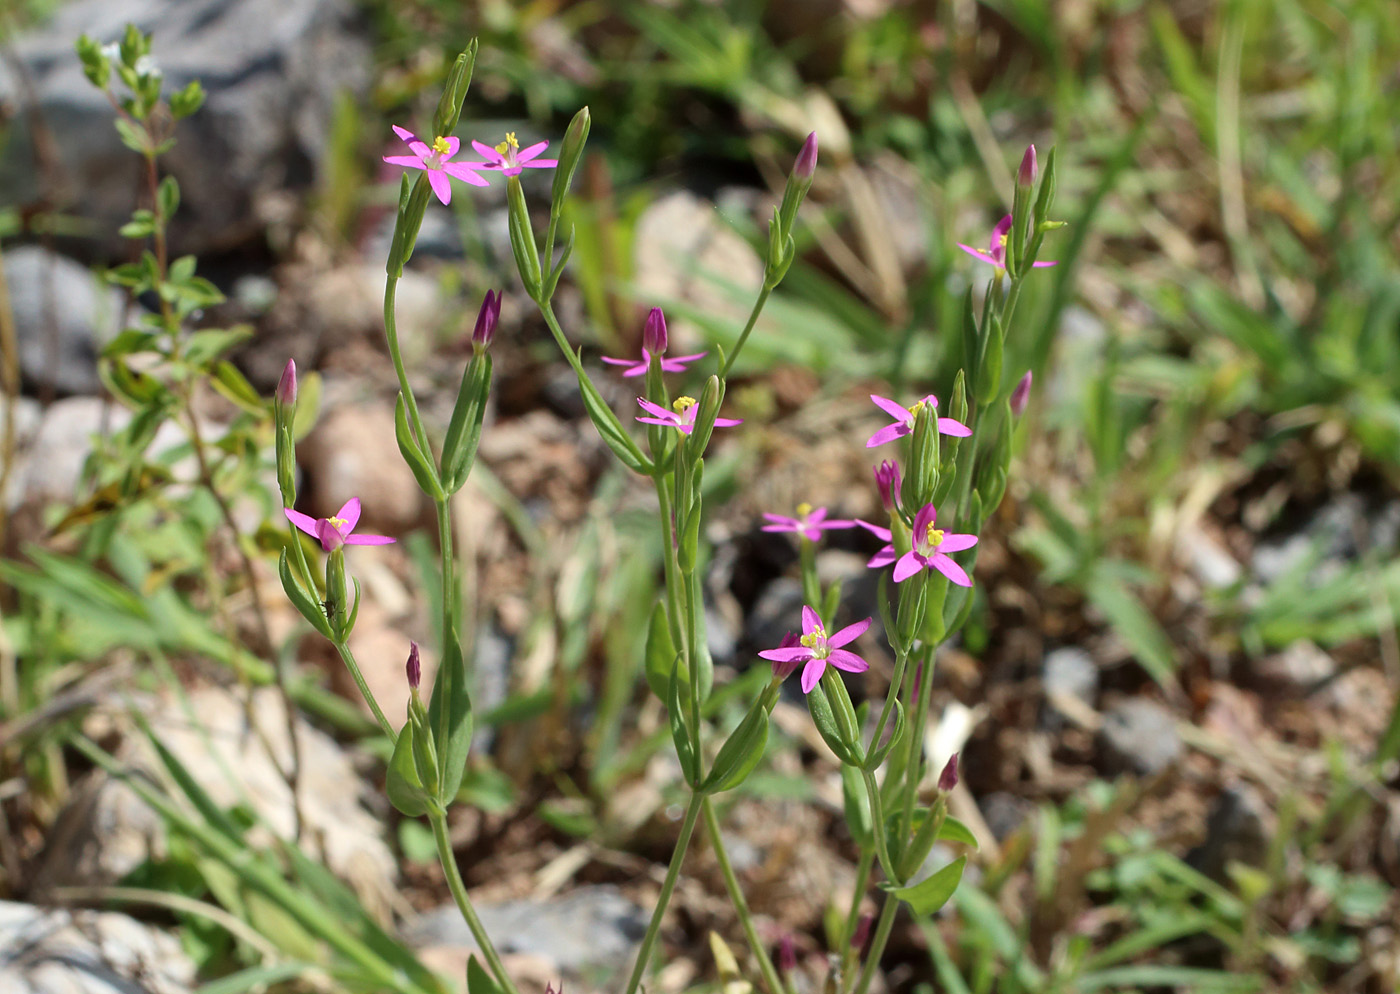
677	695
464	429
450	717
740	753
929	895
417	460
302	599
824	717
403	784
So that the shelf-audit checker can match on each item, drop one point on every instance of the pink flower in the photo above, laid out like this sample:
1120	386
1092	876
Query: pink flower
1021	395
682	415
783	669
809	523
636	367
436	160
888	481
339	530
931	548
510	158
996	248
1025	176
904	421
816	649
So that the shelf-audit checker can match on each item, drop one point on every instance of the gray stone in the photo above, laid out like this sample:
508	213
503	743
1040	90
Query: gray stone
63	316
1236	832
1004	813
1068	672
777	611
1301	668
1139	736
589	929
1334	534
58	951
352	453
272	70
490	680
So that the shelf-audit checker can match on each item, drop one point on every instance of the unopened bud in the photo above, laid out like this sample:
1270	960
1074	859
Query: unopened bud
888	481
486	318
948	779
286	395
862	932
783	670
1021	395
1025	176
787	954
806	164
654	333
414	668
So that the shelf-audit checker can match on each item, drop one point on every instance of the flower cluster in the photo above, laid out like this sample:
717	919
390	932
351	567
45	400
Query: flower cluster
508	158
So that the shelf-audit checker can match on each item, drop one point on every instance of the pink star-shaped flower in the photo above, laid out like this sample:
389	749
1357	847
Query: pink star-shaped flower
339	530
637	367
996	248
809	523
436	159
816	649
682	416
930	551
510	159
904	420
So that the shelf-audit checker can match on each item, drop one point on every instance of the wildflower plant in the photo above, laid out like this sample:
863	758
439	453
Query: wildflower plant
952	470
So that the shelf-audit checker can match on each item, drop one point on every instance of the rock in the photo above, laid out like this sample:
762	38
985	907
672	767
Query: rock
1211	564
591	930
107	831
490	680
1335	533
1236	831
1139	736
58	951
63	316
1004	813
685	252
1299	669
1067	673
777	611
352	453
272	70
349	301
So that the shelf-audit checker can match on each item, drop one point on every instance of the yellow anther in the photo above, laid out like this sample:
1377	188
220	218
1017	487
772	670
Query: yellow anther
682	404
935	537
813	638
337	523
440	145
804	509
914	411
509	144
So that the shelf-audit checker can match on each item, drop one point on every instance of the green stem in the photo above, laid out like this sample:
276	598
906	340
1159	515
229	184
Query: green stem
877	948
901	659
744	335
348	658
811	587
673	872
741	906
913	769
848	930
448	859
877	818
391	335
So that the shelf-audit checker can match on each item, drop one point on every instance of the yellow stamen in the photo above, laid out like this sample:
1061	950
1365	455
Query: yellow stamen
917	408
337	523
440	145
508	144
682	404
935	537
811	639
804	509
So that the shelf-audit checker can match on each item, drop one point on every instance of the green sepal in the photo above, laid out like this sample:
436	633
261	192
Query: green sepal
464	429
740	753
522	240
923	458
609	428
336	591
707	410
1046	199
689	539
450	717
449	108
856	804
344	631
417	460
303	600
425	757
413	204
832	601
929	895
830	728
680	734
570	152
879	752
913	607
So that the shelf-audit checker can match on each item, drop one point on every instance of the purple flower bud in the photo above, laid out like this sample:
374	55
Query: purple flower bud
1025	176
783	670
1021	395
286	395
862	932
414	667
787	954
806	163
887	481
654	333
948	779
486	319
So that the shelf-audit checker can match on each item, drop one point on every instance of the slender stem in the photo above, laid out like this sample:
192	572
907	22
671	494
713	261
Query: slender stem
736	898
877	818
848	930
901	659
448	859
913	769
877	948
348	658
391	335
811	587
692	812
744	335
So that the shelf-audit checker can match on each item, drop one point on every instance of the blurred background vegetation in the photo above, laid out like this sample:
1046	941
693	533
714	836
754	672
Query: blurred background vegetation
1176	700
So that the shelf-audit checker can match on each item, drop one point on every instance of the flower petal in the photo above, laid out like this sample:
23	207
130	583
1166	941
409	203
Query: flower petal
895	410
908	565
303	521
541	164
950	569
466	172
791	654
453	144
848	634
403	133
349	513
407	161
618	362
976	254
883	534
787	524
948	426
669	423
957	542
1045	265
998	233
887	434
926	515
487	152
882	558
811	673
369	540
844	659
442	186
656	409
331	538
530	151
728	422
811	621
420	149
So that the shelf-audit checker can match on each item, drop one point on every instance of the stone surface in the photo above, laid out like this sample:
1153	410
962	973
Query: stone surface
1067	672
63	315
107	831
591	929
57	951
1236	831
352	453
1004	813
1139	736
1299	669
272	70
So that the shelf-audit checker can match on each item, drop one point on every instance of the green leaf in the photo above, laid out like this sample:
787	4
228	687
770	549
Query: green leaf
418	462
133	135
235	386
450	717
610	428
128	342
680	734
878	752
403	785
1134	624
929	895
953	830
478	980
740	753
856	803
660	654
204	347
168	197
464	429
185	102
302	599
825	720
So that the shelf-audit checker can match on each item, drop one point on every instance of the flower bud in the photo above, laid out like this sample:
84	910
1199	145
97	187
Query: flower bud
783	670
570	152
806	164
486	318
286	395
862	932
1021	395
654	333
787	954
1025	176
948	779
414	668
888	481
